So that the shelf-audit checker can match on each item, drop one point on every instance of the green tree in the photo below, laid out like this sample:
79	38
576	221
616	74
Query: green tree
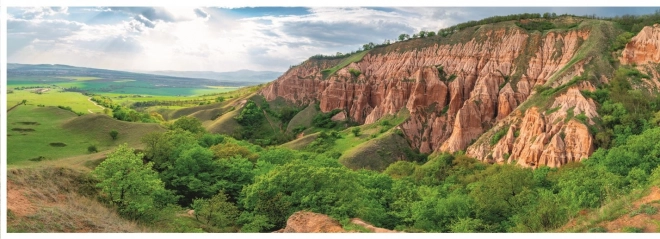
190	124
128	183
356	131
216	211
114	134
220	99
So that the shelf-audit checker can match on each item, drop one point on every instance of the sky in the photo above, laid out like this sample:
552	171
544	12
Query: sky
227	39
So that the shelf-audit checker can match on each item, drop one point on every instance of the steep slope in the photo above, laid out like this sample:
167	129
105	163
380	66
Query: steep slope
458	88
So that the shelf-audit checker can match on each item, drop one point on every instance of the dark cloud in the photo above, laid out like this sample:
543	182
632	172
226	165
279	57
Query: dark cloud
201	13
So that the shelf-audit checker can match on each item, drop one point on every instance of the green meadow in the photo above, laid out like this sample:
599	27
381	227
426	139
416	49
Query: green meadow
45	133
78	102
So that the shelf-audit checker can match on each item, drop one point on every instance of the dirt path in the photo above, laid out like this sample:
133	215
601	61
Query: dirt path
90	100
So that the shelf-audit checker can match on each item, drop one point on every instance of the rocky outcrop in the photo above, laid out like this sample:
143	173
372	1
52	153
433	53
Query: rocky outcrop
644	47
553	138
309	222
449	109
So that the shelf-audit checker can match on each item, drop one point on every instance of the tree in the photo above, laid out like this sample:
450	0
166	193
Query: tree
106	111
229	150
220	99
404	37
216	211
92	149
356	131
114	134
128	183
189	123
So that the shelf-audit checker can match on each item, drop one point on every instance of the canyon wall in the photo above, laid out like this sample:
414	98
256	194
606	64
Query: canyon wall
482	81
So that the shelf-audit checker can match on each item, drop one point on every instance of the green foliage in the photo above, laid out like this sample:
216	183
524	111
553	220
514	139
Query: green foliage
114	134
646	209
497	199
128	183
632	229
92	149
621	41
356	131
220	99
536	25
195	173
250	114
295	186
597	229
354	72
498	135
216	211
207	140
190	124
324	120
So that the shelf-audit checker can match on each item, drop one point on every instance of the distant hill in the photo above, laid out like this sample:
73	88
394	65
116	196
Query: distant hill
176	79
229	76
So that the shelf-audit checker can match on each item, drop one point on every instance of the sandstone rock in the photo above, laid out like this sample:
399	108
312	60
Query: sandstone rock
446	113
643	48
309	222
339	116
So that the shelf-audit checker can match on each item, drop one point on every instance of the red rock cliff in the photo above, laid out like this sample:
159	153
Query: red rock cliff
446	115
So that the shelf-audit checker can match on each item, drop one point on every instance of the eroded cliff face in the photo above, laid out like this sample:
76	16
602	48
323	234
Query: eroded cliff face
644	47
494	73
643	51
553	137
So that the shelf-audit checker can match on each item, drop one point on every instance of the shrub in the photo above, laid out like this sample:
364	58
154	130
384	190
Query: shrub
356	131
354	72
598	229
498	135
92	149
632	229
114	134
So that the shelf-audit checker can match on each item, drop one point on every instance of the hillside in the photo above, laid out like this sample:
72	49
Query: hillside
519	123
467	90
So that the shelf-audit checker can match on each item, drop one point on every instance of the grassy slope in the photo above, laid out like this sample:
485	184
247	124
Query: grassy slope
376	154
620	213
346	61
303	118
54	125
76	101
374	148
58	199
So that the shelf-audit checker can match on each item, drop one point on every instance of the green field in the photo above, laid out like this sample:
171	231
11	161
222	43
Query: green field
78	102
31	130
80	78
114	86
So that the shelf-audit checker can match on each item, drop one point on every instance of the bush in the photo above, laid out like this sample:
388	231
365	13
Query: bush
92	149
498	135
356	131
598	229
632	229
354	72
114	134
